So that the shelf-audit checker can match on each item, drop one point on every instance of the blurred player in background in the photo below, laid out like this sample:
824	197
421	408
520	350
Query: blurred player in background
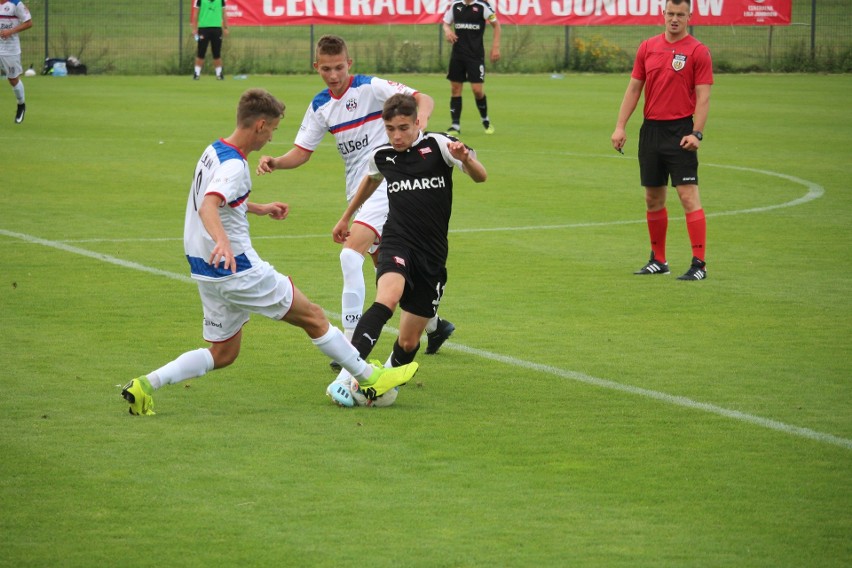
209	21
464	27
233	281
417	169
14	18
350	108
676	72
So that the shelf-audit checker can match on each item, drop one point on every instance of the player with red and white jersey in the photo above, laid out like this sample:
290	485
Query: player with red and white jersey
222	171
350	108
14	18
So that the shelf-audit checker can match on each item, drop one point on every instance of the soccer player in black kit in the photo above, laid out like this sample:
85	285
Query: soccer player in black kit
412	269
464	27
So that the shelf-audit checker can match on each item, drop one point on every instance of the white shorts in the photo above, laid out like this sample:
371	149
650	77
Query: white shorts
374	213
228	303
11	65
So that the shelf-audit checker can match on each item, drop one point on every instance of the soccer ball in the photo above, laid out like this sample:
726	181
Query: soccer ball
386	399
347	392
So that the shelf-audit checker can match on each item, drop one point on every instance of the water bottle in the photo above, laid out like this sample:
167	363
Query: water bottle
59	69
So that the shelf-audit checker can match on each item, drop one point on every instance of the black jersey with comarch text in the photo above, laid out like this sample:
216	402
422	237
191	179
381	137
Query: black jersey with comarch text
420	193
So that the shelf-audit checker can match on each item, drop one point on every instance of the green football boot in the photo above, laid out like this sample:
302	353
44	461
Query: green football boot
138	393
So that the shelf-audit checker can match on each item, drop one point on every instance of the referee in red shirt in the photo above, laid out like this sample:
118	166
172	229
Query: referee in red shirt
676	73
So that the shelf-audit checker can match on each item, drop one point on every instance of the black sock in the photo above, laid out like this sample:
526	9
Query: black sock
400	357
482	105
455	109
369	328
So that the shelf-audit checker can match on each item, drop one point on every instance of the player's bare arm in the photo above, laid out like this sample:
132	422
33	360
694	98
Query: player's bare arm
276	209
425	106
628	105
472	166
209	213
367	188
495	41
702	108
292	159
449	34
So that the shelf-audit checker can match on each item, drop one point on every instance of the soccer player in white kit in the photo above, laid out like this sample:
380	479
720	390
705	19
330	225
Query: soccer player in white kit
351	109
14	18
233	281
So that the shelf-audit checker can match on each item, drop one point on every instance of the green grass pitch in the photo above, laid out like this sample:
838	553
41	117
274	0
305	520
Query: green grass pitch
580	416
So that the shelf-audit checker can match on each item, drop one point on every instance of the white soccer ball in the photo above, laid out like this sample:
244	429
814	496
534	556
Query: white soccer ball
386	399
30	72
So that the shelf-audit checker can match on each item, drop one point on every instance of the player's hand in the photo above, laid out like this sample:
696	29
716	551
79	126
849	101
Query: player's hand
495	55
458	150
340	231
277	210
222	253
619	137
690	143
451	37
266	165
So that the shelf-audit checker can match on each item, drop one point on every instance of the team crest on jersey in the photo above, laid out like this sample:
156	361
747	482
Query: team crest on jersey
399	261
678	62
351	105
424	151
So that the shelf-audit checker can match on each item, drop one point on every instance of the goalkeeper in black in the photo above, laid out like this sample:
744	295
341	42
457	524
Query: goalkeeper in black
411	271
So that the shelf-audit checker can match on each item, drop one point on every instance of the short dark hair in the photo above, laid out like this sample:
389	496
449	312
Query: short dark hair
399	105
679	2
258	103
331	45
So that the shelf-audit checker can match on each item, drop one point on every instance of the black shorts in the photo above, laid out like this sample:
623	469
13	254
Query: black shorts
470	70
660	154
213	37
424	280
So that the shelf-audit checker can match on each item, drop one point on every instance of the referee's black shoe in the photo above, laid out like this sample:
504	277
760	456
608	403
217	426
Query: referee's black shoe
697	270
437	338
654	266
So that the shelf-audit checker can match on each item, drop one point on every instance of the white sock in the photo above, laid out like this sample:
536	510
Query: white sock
188	366
19	92
336	347
198	70
218	71
354	290
432	324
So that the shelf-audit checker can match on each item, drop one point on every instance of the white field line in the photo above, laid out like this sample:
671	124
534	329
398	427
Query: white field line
814	191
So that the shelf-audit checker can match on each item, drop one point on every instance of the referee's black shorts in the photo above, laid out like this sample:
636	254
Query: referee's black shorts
660	154
424	280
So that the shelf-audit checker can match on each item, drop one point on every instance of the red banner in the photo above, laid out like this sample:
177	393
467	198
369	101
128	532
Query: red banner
510	12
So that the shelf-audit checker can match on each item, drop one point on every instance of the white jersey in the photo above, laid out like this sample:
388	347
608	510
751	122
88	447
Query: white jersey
355	120
223	171
12	13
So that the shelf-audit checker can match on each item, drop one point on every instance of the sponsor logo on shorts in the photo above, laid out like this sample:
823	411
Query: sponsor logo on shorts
211	323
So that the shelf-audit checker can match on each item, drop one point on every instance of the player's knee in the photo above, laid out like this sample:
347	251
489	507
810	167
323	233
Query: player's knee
224	356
